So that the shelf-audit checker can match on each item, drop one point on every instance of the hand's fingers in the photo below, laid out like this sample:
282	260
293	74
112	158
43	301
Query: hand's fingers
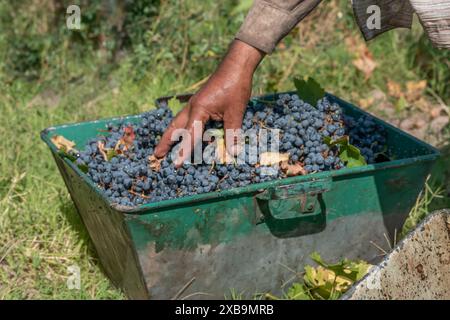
195	126
179	122
232	126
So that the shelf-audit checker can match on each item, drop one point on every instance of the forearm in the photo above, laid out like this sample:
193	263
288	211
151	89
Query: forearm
223	97
269	21
236	69
242	58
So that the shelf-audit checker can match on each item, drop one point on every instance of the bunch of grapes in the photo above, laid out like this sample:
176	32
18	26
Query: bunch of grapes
128	180
302	128
368	136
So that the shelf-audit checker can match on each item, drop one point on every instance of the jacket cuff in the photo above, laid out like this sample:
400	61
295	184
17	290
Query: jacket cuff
265	25
395	14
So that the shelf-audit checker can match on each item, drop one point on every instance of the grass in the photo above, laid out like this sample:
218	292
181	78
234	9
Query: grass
41	235
422	207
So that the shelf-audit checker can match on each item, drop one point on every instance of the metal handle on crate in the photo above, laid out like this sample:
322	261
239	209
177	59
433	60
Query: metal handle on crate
310	215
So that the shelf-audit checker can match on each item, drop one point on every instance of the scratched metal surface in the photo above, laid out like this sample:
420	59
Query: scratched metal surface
418	267
254	263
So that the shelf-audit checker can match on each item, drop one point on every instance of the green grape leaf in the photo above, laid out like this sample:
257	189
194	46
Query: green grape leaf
322	282
110	153
341	141
315	256
62	143
309	90
175	105
328	141
298	291
64	154
360	269
352	156
348	153
84	168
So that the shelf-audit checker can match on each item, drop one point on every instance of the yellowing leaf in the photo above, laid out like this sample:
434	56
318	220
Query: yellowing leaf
327	281
353	44
365	62
154	163
349	270
106	153
394	89
126	142
222	155
210	53
271	158
62	143
101	149
415	89
437	111
292	170
367	102
323	283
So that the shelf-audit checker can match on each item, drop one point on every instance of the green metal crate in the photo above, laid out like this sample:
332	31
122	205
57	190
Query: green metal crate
248	239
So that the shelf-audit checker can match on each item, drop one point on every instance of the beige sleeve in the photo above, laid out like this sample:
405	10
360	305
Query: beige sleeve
435	18
269	21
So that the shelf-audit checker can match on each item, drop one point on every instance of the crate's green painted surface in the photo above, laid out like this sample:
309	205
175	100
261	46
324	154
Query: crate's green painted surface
248	238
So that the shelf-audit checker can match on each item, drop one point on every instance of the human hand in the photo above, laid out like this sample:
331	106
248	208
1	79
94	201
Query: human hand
224	97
